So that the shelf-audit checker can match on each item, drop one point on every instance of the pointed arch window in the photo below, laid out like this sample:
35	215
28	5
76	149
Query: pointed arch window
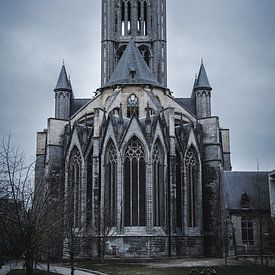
178	190
134	184
191	181
158	190
142	23
111	184
74	190
146	54
89	188
125	15
132	105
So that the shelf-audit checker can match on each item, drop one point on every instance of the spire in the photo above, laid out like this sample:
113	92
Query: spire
202	81
132	69
63	83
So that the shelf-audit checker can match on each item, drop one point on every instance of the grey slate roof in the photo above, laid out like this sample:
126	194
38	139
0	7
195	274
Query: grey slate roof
202	81
186	103
238	183
132	62
63	83
77	104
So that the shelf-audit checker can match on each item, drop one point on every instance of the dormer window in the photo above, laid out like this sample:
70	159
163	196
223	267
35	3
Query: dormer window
132	72
132	105
245	201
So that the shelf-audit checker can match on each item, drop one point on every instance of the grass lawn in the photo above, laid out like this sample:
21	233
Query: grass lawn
119	268
23	272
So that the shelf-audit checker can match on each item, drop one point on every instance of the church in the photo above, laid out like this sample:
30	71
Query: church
149	170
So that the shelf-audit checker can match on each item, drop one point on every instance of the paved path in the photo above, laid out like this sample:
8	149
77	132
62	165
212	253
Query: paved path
53	268
67	271
11	265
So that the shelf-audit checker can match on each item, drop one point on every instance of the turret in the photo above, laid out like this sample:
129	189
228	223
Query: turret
202	94
63	95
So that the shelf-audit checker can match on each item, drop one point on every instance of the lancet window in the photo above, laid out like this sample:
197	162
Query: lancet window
125	16
158	200
142	23
191	181
132	105
178	190
111	184
74	188
134	184
89	187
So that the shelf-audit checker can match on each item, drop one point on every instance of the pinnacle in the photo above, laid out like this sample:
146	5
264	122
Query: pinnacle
202	82
63	83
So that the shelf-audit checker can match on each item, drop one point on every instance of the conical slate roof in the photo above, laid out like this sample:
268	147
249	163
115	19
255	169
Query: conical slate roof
132	69
202	81
63	83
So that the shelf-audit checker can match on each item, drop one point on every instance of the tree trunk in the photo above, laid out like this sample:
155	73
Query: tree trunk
29	262
72	263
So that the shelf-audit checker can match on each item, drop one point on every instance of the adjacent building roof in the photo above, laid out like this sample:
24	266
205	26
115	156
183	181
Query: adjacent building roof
186	103
77	104
254	184
132	69
63	83
202	81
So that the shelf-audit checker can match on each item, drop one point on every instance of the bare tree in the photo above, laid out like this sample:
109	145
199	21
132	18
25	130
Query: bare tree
103	230
25	211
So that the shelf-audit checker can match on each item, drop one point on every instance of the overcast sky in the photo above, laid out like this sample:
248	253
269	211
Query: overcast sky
236	38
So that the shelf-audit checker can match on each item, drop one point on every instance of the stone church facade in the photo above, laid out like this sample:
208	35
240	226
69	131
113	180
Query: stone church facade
133	158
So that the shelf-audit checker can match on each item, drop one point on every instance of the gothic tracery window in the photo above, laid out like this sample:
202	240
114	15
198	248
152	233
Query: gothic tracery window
132	105
74	188
191	181
158	200
134	184
111	184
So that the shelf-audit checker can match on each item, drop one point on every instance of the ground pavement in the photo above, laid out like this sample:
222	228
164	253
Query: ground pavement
53	268
67	271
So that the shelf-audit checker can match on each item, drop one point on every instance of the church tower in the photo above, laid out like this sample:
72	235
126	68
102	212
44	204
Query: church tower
142	20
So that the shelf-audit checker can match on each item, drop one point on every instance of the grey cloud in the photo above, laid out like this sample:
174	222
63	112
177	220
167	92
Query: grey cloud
236	39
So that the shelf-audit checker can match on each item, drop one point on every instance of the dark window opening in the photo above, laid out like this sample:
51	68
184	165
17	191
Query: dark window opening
145	52
111	183
191	178
89	188
134	184
158	190
178	191
74	189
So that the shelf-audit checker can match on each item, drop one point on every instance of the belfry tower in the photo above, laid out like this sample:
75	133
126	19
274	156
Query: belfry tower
142	20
